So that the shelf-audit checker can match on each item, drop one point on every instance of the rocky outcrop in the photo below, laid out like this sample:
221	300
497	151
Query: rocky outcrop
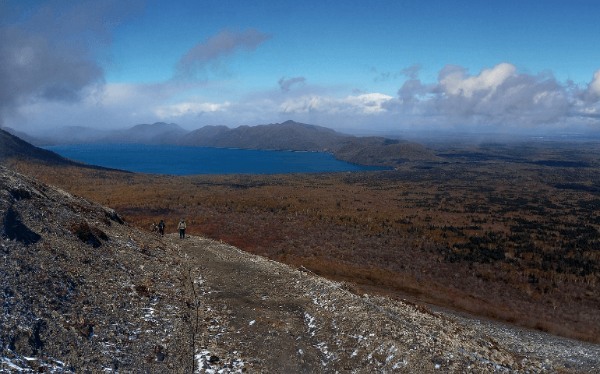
82	291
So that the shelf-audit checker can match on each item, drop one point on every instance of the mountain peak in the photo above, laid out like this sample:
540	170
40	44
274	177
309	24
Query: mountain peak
293	123
158	126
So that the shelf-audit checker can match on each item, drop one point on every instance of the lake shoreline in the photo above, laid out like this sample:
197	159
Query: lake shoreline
191	160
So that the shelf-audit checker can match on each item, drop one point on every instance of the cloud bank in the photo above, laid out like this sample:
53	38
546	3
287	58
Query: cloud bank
51	75
497	96
49	53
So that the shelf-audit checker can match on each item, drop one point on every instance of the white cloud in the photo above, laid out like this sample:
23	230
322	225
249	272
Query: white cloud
306	104
370	103
594	86
189	108
499	96
109	106
364	104
494	98
454	80
120	93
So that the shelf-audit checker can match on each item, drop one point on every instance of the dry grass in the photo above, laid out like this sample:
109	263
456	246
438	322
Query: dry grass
509	241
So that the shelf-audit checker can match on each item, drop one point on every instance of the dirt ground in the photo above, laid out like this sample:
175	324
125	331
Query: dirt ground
263	316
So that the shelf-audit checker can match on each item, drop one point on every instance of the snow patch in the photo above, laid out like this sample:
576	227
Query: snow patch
211	364
310	323
15	363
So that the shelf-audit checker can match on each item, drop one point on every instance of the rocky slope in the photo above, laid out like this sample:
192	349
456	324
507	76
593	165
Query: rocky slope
81	291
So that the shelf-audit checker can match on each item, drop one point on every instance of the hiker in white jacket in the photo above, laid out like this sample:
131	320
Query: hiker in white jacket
181	227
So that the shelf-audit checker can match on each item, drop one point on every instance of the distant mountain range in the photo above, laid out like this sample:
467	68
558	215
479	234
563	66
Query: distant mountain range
288	135
284	136
296	136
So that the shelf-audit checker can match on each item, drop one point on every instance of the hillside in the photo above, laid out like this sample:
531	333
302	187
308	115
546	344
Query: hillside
12	147
288	135
84	291
156	133
292	135
14	150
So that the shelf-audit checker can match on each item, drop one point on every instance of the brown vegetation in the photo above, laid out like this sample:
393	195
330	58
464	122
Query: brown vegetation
509	240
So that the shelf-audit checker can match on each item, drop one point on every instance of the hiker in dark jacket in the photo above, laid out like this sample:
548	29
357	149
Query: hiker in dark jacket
161	228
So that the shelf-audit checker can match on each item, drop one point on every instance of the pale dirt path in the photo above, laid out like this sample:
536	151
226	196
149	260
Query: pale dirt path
248	310
263	316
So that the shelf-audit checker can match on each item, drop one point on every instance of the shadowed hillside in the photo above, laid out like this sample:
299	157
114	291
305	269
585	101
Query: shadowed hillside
12	147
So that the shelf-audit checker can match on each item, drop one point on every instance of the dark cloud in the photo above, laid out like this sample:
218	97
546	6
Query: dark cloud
48	52
410	72
212	50
285	84
384	76
413	90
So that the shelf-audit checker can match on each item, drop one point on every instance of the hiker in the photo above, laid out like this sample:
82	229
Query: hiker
181	227
161	228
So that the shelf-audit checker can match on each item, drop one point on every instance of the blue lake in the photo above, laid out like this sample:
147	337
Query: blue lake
177	160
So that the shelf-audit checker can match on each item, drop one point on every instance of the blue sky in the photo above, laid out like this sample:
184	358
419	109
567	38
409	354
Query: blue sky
500	66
